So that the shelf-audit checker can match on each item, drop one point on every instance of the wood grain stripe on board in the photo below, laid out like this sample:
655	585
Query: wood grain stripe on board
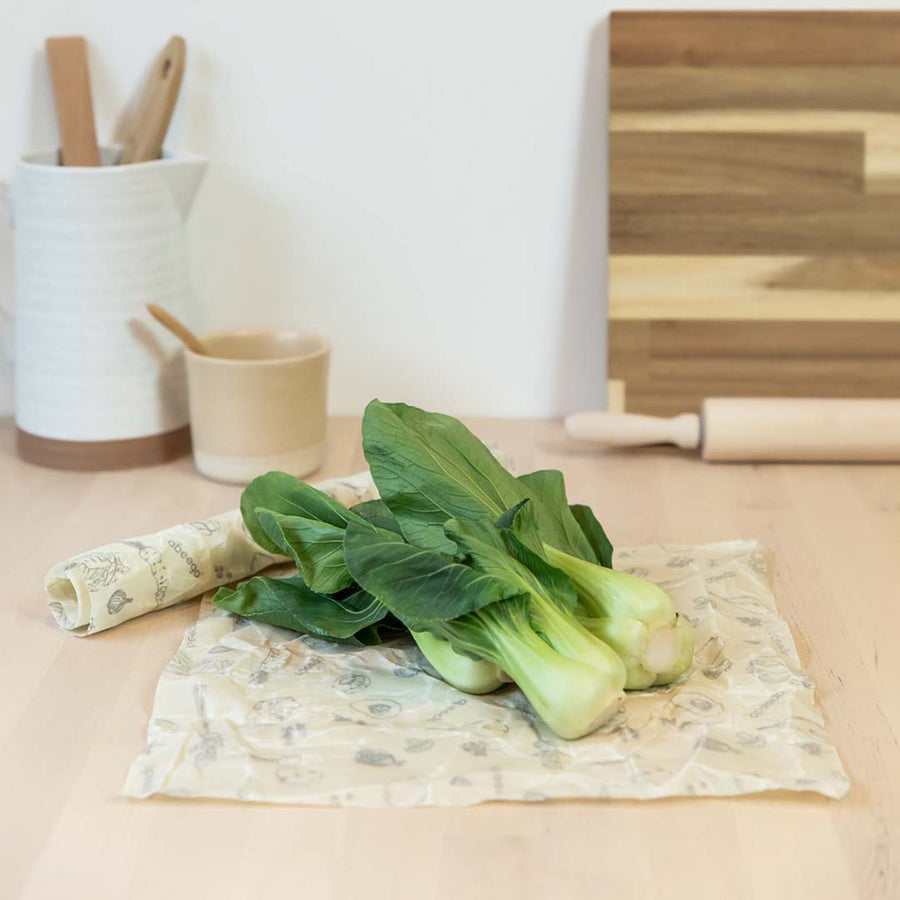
821	340
865	88
773	225
756	120
881	131
742	163
669	367
784	38
825	288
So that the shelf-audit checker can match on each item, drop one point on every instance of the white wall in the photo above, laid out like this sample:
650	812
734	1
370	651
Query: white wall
423	181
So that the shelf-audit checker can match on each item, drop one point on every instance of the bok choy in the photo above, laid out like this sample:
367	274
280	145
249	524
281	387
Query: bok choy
496	578
429	467
494	607
286	516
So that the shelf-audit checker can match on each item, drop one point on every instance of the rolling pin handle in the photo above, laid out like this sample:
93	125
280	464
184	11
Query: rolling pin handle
631	430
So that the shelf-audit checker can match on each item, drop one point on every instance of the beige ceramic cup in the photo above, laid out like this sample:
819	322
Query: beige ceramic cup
257	403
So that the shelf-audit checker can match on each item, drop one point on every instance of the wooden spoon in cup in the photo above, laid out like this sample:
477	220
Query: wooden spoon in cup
179	329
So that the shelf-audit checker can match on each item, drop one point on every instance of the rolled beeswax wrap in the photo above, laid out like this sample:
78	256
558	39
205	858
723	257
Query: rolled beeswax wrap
246	711
117	582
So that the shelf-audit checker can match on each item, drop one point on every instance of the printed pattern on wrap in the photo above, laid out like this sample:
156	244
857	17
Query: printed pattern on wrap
251	712
112	584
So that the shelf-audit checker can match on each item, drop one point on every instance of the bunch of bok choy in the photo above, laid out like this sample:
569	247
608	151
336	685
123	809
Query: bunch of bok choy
497	578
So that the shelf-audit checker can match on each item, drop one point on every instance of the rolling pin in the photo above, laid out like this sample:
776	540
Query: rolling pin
759	429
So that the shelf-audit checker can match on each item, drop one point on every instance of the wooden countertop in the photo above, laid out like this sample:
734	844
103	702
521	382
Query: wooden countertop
73	712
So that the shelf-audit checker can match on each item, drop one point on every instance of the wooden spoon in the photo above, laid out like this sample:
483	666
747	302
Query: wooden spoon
154	112
72	94
179	329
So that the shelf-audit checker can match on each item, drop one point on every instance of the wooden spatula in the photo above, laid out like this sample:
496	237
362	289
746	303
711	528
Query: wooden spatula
154	112
71	81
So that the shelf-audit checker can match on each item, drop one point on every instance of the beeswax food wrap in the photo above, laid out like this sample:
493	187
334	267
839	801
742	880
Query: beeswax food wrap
117	582
250	712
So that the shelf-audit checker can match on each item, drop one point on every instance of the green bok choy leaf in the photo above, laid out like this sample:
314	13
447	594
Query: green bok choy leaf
494	607
429	468
305	524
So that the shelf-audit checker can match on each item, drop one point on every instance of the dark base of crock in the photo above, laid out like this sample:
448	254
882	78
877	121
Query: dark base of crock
98	456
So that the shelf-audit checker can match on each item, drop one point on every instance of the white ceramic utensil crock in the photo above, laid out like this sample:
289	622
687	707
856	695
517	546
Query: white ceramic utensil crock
96	384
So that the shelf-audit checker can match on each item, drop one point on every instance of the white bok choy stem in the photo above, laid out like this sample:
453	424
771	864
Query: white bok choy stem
636	618
474	676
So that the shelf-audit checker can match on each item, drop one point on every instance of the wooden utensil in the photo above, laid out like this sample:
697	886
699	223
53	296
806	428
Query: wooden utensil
69	74
154	112
179	329
765	429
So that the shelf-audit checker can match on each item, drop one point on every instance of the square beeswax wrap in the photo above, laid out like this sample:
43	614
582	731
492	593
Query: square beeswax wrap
250	712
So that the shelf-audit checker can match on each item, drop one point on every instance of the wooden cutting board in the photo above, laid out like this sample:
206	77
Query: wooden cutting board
754	172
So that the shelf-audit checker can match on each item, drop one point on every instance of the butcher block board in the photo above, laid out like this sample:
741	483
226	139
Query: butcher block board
754	213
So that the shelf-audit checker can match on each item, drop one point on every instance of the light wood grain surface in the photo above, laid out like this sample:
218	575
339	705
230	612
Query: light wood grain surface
754	178
73	712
